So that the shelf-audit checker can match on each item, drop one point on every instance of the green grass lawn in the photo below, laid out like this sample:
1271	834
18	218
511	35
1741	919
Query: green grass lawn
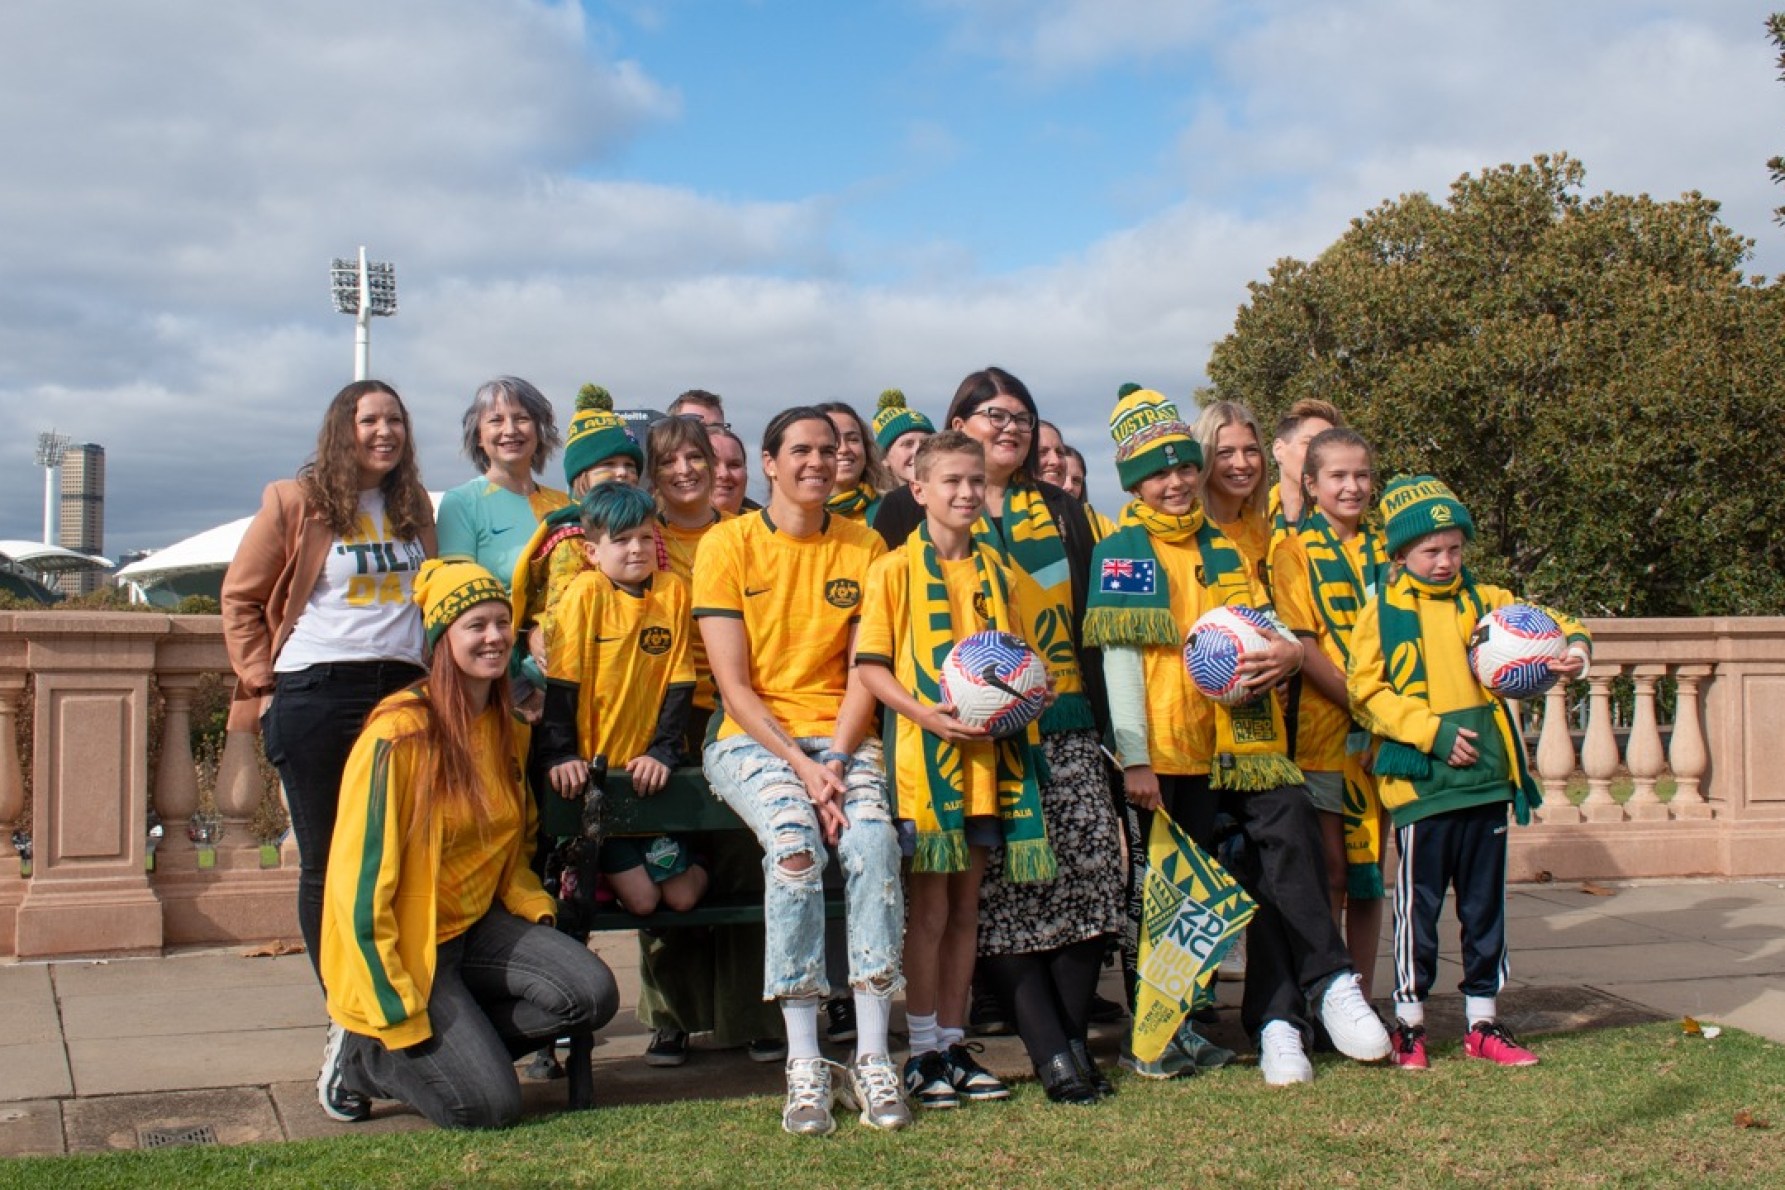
1630	1107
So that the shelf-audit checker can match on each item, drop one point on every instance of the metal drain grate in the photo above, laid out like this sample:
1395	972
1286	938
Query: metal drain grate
170	1138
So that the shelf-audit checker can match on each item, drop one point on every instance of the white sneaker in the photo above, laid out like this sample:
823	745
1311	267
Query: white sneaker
809	1098
1356	1030
1233	967
1282	1057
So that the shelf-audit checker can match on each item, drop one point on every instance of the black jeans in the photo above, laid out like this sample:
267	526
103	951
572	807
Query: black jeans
308	731
500	989
1293	949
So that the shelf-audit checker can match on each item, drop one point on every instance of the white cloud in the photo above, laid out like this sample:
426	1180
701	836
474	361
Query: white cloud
180	175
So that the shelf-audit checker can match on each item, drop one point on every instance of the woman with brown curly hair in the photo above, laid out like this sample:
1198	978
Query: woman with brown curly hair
317	611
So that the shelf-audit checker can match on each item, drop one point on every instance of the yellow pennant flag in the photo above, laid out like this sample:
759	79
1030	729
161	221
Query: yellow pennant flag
1192	911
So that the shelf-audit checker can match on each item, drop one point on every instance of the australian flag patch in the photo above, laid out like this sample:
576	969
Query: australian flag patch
1128	576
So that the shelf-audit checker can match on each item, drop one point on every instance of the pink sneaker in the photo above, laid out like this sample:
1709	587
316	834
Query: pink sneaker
1493	1041
1410	1046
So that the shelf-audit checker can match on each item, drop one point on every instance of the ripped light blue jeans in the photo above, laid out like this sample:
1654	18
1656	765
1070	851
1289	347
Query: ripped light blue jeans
763	791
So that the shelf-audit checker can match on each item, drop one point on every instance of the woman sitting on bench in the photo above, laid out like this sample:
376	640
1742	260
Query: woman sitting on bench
438	950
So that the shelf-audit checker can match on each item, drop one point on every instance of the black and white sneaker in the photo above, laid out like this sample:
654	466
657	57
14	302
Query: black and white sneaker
669	1047
927	1081
970	1079
338	1102
841	1027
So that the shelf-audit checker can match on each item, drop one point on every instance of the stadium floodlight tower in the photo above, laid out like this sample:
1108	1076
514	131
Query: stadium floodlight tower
364	289
51	448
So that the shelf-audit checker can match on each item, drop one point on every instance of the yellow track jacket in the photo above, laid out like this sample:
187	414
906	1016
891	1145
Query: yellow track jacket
394	894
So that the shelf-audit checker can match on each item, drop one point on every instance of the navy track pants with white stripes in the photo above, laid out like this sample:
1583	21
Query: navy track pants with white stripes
1464	850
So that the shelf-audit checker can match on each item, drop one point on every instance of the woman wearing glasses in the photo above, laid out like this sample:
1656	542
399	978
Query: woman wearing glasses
1041	945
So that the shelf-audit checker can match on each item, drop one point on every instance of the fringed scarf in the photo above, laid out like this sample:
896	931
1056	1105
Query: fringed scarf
946	771
1130	605
1340	591
1030	543
854	502
1403	648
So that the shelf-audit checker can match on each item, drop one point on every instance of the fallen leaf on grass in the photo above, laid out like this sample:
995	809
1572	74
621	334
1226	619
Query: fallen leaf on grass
1691	1028
1747	1119
1597	890
274	949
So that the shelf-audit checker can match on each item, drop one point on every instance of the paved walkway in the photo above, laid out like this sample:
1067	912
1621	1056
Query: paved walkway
130	1053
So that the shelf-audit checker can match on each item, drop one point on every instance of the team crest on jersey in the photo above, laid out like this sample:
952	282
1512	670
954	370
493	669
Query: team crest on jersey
981	606
655	640
843	592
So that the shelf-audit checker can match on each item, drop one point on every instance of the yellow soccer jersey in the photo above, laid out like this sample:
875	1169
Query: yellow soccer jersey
884	637
799	598
681	545
624	651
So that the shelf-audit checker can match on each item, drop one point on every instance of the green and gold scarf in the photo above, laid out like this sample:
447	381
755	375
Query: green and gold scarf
1014	763
1403	648
852	503
1027	540
1340	591
1130	605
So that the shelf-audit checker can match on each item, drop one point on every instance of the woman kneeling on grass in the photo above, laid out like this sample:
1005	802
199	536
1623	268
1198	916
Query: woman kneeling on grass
438	950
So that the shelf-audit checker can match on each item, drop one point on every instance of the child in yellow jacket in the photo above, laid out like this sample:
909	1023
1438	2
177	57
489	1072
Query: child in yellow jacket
1449	762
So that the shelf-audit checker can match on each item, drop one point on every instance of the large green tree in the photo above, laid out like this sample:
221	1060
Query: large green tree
1594	375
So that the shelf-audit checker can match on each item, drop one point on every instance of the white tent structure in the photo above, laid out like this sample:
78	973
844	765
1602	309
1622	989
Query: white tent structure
27	568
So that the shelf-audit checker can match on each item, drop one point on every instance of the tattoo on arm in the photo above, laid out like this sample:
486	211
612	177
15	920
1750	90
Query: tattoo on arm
777	731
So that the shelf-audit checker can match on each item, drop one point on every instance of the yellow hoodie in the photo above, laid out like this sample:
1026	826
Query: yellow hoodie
394	894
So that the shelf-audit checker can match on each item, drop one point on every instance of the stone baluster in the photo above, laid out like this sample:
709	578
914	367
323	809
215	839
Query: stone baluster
1599	752
238	792
176	775
1642	754
1555	758
1687	754
12	773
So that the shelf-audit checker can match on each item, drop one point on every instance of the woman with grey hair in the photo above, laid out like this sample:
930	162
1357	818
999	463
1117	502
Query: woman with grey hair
510	432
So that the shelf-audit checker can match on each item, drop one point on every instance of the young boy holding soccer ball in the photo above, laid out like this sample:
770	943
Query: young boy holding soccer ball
957	790
1449	761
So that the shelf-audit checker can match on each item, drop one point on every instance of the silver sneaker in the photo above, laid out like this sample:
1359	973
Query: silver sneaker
809	1098
874	1087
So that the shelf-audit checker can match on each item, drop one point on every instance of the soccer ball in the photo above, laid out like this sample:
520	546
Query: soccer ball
994	680
1217	643
1511	648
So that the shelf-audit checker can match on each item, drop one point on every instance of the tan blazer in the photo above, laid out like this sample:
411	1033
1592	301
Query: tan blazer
268	586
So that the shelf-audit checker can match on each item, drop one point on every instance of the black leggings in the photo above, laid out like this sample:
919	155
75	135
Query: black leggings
1048	993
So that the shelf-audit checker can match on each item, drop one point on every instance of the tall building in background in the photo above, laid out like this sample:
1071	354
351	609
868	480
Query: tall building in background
82	516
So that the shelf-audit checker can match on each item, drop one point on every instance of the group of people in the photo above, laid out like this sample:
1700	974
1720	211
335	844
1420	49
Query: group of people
439	698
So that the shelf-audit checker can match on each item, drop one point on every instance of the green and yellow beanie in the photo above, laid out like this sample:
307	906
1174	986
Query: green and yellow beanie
1150	435
892	419
1416	505
447	590
596	434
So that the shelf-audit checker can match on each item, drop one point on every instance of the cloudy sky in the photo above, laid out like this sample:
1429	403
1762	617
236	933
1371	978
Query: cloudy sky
781	201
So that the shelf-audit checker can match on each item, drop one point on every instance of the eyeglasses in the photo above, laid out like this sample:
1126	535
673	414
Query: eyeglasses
710	425
1004	419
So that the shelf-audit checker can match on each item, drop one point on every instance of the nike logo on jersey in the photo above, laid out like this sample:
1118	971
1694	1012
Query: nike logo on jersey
494	530
749	594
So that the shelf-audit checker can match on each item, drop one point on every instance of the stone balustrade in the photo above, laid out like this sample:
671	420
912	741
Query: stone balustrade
95	676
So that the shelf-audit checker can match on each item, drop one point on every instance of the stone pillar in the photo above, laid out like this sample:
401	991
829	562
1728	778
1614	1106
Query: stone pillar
1686	753
89	892
238	798
1555	758
176	774
1599	752
1642	754
12	806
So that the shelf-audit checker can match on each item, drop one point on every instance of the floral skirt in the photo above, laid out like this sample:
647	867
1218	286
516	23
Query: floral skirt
1085	898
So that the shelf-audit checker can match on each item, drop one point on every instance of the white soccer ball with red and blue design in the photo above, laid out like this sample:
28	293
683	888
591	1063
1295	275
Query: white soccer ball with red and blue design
996	681
1511	648
1217	643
